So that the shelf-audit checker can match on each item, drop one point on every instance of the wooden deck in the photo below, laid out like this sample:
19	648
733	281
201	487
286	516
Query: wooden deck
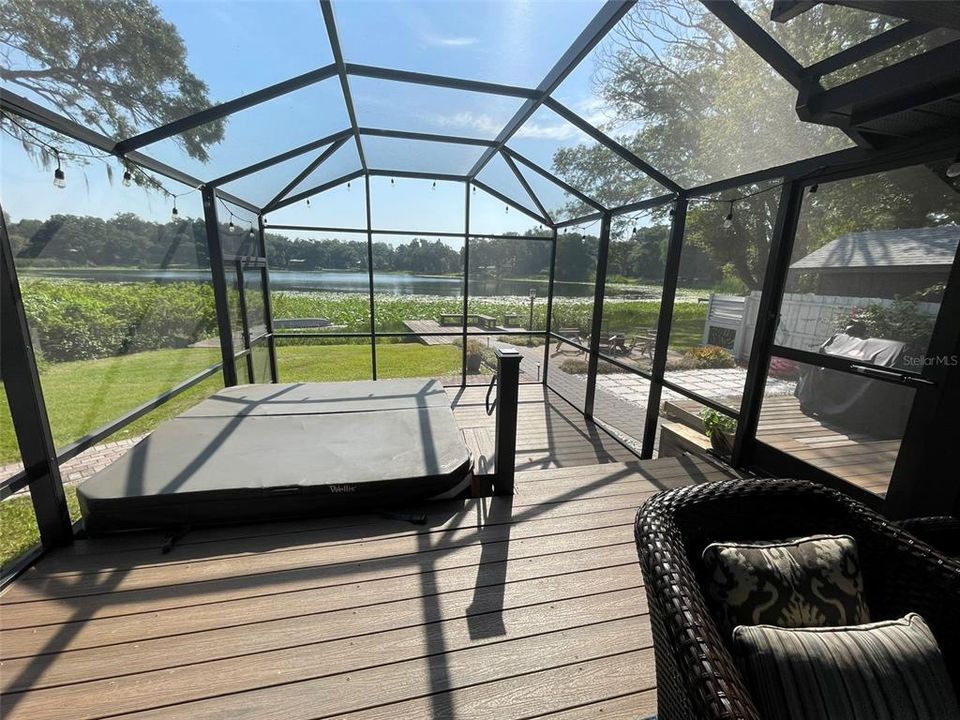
550	431
857	458
417	327
497	608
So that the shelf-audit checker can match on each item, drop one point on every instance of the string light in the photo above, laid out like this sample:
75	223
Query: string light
391	182
231	227
953	170
434	185
506	209
308	202
127	178
59	179
173	212
264	220
348	187
728	220
251	233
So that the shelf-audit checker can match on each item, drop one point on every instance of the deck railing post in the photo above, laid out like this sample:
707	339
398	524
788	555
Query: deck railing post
508	395
603	252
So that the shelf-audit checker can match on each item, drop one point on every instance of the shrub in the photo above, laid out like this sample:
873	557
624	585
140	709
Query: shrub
577	366
902	320
704	357
77	320
522	340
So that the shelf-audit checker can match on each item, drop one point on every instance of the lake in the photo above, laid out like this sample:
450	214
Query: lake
341	282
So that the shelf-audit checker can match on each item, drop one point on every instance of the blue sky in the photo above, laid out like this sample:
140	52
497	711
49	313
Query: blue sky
238	47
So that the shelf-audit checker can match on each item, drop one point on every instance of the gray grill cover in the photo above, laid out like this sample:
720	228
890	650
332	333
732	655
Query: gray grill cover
857	404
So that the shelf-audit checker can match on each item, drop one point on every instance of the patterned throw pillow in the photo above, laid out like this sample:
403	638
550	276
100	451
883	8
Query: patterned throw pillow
890	670
804	582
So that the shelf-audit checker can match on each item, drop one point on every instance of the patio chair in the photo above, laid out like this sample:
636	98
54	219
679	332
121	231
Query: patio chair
645	341
696	673
573	335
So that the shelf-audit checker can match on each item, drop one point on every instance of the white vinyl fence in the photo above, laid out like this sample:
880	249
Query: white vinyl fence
806	321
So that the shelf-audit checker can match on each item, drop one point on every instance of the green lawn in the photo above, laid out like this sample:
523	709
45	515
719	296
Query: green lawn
18	524
329	363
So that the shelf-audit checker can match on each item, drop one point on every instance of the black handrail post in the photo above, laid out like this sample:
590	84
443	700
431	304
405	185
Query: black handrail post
508	396
21	380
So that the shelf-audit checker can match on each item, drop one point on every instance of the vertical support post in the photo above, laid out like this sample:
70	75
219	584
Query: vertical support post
603	252
549	319
245	320
466	281
28	411
768	317
373	310
508	396
268	302
218	274
664	320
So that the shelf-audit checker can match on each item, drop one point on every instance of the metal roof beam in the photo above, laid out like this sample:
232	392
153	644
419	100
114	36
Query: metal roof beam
282	157
611	144
744	27
526	186
418	78
313	165
318	189
58	123
609	15
223	109
868	48
331	24
567	188
426	137
511	202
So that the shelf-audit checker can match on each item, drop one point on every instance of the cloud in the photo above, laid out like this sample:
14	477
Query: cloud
450	42
468	120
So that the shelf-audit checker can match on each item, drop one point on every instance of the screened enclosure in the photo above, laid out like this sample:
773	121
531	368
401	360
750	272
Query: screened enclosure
654	202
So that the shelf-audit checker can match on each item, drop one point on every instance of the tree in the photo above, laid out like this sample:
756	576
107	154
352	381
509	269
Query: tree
699	105
115	65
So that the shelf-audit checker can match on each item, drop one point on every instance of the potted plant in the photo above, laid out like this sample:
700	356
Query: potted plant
720	429
474	356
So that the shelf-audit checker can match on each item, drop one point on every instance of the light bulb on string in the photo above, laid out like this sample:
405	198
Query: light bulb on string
251	233
728	220
173	211
59	179
127	178
434	187
506	209
348	187
392	183
231	227
308	202
953	169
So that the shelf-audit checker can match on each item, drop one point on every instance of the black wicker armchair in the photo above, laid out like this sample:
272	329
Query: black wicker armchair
696	673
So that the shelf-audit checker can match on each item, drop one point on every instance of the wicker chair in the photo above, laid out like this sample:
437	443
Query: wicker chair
696	673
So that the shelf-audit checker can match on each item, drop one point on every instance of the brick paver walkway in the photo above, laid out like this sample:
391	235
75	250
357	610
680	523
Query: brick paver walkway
85	464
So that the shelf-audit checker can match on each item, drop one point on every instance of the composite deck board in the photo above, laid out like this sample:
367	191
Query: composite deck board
550	431
860	459
497	608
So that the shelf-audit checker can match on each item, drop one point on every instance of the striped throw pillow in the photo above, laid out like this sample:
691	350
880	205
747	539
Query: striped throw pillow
890	670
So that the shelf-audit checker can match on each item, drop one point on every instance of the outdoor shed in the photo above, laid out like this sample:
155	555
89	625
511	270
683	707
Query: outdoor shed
881	263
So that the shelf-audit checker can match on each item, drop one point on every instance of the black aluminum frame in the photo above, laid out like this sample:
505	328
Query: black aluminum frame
814	100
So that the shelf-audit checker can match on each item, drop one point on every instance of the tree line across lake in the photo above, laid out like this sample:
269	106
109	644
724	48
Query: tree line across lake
127	240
